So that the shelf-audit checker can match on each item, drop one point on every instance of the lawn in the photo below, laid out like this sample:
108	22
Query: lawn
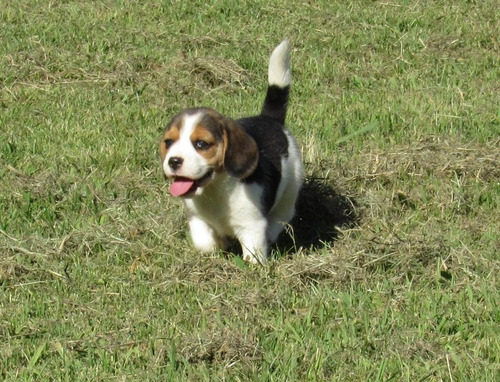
391	268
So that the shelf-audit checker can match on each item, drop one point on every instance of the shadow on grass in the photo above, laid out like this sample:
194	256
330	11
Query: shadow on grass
320	210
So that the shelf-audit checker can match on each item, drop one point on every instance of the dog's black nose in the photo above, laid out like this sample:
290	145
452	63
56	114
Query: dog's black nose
175	162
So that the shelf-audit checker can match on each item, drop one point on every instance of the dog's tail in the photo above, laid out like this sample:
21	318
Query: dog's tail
280	79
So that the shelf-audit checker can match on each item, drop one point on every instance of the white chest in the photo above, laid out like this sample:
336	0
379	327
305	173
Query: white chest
228	205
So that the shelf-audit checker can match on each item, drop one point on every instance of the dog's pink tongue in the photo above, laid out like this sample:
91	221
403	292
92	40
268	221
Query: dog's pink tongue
181	186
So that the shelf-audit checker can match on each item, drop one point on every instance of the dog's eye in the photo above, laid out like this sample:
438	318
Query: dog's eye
168	143
201	145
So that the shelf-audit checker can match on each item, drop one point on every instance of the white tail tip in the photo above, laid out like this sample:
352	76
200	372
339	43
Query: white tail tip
279	65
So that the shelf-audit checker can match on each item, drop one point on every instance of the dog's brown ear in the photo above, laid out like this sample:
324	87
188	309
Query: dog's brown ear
241	154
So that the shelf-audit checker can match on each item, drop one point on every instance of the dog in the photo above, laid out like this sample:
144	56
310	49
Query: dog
238	178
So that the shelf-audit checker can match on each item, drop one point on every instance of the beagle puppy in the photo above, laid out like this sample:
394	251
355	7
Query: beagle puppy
238	178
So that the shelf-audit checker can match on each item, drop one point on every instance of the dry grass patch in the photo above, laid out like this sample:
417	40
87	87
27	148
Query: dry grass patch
433	157
212	72
227	348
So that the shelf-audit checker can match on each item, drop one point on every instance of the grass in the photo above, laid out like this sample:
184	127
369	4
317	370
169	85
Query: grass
390	270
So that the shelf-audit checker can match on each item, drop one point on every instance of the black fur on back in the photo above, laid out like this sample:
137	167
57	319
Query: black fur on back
272	142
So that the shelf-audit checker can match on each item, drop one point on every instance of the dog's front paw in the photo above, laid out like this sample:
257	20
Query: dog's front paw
204	238
255	259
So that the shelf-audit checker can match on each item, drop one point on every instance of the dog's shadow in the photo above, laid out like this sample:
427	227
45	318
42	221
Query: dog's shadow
320	211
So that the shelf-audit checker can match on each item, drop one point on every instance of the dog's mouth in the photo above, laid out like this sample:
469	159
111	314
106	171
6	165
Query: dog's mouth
182	186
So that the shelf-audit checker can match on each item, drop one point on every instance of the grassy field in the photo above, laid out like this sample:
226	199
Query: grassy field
390	271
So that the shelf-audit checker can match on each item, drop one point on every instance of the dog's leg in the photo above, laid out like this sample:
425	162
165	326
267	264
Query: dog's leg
275	229
281	215
292	176
254	244
204	237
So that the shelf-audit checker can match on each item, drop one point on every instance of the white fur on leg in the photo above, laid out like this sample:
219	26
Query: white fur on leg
203	236
254	244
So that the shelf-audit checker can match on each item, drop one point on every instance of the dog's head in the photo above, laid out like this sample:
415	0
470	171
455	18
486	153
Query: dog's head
200	144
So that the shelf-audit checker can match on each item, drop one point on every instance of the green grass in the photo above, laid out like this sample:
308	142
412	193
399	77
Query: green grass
391	270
